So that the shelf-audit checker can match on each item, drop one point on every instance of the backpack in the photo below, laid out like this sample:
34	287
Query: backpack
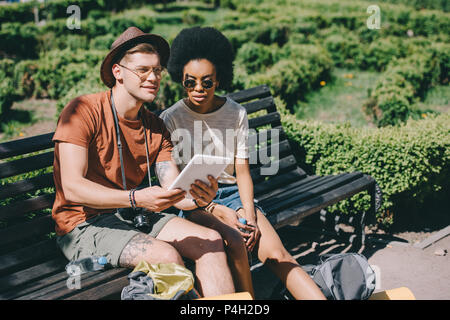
344	276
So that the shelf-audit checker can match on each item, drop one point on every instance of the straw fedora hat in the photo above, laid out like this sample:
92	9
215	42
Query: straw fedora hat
128	39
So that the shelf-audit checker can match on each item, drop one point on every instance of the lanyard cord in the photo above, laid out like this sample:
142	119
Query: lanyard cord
146	153
119	145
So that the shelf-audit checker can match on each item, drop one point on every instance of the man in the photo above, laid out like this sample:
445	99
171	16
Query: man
104	145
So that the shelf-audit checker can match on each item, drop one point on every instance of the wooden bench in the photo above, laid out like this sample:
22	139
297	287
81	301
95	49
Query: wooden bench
31	265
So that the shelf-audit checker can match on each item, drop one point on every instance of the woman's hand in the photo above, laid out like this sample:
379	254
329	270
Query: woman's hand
253	236
204	193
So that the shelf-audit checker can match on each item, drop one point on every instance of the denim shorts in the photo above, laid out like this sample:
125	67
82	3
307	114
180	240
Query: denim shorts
228	196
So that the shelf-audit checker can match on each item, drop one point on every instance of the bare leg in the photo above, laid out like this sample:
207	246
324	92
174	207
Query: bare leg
205	247
143	247
234	246
273	254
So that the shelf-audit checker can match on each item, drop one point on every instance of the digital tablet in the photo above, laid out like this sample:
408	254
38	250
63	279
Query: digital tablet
199	167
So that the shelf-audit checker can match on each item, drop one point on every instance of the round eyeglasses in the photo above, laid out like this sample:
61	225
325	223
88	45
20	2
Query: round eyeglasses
144	72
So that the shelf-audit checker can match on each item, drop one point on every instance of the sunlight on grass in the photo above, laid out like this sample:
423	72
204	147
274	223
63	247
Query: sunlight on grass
340	100
437	99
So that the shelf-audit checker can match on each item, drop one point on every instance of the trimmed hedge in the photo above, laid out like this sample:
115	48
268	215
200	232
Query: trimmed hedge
411	162
55	9
27	40
420	4
7	92
405	81
297	69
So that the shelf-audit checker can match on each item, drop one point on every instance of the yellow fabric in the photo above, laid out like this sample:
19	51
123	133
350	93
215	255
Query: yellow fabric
402	293
232	296
168	278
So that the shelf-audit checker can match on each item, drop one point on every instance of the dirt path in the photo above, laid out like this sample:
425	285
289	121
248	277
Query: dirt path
399	264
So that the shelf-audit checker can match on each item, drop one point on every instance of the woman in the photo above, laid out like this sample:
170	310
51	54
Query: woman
202	60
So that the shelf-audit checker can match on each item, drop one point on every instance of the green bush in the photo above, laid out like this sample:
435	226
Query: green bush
18	12
344	49
297	69
410	162
90	84
7	94
27	40
192	17
420	4
264	33
18	40
404	81
7	91
60	70
255	57
115	25
55	9
378	54
102	42
24	72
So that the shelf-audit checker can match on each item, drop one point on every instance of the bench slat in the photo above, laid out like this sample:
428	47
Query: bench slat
32	274
283	149
265	136
301	210
28	185
26	145
279	180
273	118
284	200
267	103
103	290
23	257
250	94
297	187
59	290
36	227
19	208
303	184
284	164
15	167
35	288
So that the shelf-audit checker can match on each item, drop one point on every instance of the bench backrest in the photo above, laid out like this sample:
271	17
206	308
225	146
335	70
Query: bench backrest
27	187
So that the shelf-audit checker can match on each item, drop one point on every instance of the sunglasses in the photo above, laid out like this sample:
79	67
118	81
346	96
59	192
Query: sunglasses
191	83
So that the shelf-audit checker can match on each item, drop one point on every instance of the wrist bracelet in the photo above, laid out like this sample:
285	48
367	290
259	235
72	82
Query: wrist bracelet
210	207
198	206
131	197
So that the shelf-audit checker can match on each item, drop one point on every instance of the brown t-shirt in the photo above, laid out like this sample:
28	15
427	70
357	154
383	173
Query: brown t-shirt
88	121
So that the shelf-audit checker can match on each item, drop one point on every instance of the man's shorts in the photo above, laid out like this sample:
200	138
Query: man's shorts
106	235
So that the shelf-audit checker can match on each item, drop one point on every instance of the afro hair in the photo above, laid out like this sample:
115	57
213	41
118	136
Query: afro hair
202	43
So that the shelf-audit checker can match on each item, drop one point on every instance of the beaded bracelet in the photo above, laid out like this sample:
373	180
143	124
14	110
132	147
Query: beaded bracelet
131	197
210	207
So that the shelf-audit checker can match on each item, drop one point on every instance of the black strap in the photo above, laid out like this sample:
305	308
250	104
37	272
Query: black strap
119	145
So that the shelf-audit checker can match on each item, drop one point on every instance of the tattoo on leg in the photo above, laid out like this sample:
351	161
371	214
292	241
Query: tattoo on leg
134	250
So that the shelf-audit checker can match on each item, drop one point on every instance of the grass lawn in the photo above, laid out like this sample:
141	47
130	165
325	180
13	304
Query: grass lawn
29	118
437	99
341	100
